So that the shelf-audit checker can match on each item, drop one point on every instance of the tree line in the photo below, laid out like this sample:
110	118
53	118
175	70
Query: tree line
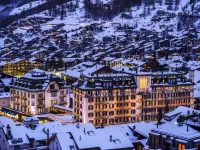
50	4
99	10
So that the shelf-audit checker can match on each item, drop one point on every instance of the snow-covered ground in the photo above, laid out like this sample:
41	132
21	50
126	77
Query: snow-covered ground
102	1
2	42
145	22
2	7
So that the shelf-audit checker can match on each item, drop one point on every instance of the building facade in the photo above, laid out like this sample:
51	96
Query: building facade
104	99
37	91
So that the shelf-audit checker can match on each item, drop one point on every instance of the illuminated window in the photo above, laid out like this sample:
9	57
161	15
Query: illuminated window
40	110
32	103
181	147
53	102
143	83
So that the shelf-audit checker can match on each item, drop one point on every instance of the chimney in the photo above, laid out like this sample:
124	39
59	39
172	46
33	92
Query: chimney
110	138
32	124
134	128
77	125
9	132
84	130
191	75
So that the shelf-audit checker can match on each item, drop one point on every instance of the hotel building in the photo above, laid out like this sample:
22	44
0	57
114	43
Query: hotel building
106	98
37	91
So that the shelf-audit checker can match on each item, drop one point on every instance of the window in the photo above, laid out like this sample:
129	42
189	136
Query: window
53	94
132	111
181	147
32	96
90	121
90	107
132	118
111	113
104	113
133	104
62	99
32	103
90	115
52	86
53	102
143	83
61	92
40	95
111	106
40	110
104	121
90	100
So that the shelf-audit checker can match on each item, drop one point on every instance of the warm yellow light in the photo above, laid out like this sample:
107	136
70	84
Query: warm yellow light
143	83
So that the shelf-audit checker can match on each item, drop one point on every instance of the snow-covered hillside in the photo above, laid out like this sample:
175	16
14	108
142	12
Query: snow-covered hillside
157	16
27	6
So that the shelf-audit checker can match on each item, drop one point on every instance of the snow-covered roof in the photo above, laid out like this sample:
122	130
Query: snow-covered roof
6	81
181	109
4	121
174	130
30	118
65	141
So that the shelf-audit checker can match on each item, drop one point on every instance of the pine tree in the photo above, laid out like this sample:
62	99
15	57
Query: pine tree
180	120
159	117
178	26
62	13
166	108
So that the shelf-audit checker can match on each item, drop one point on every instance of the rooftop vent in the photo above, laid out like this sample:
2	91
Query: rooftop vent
14	140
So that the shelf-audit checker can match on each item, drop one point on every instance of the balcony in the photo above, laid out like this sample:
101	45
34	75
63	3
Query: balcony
24	105
17	103
23	97
63	103
17	96
40	106
102	102
62	95
143	93
53	90
101	117
139	107
40	98
122	115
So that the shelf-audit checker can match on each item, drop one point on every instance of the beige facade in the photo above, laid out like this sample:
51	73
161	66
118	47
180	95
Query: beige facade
4	99
123	104
32	102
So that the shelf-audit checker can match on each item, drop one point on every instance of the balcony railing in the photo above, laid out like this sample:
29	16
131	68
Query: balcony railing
23	97
143	93
40	106
63	103
101	117
53	90
16	95
40	98
24	105
62	95
17	103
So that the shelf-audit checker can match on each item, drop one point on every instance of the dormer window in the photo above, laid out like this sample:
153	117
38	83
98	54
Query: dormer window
52	86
